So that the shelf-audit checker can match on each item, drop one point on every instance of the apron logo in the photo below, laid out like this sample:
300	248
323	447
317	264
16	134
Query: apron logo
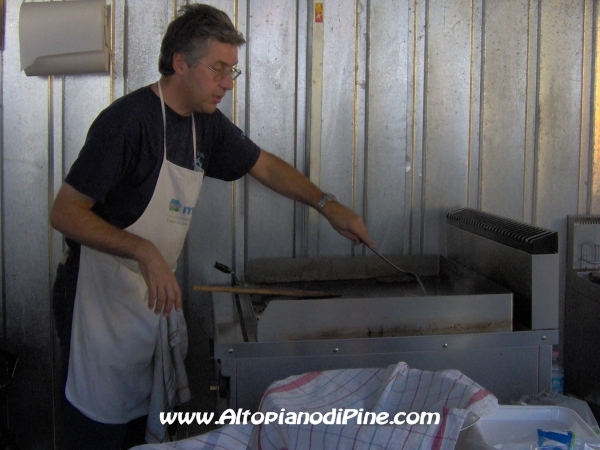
175	206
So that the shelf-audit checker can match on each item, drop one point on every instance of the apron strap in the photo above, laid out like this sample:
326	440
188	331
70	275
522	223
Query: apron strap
164	115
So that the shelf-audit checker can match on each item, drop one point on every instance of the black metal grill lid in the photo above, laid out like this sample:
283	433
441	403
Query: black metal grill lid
519	235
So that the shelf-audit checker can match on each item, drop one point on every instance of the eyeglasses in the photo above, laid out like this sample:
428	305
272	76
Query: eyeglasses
220	74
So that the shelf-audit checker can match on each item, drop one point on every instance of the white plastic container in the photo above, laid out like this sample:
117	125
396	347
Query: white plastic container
515	427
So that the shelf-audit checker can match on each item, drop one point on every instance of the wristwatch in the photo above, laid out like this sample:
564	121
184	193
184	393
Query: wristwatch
326	198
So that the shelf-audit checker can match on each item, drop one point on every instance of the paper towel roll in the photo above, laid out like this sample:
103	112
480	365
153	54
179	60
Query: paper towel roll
66	37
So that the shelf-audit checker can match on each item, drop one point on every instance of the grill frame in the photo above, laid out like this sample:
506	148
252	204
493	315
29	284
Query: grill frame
522	236
509	364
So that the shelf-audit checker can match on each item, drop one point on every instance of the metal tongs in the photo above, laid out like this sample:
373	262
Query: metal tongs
398	268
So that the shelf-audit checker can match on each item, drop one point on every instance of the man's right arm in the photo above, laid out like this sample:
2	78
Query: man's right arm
71	215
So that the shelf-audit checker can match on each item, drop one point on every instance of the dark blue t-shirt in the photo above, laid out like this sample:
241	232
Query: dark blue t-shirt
119	163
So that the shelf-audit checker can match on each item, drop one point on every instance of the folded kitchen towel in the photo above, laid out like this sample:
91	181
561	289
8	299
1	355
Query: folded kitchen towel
170	383
393	390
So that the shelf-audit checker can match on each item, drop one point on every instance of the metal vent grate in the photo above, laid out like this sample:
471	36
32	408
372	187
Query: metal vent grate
587	221
533	240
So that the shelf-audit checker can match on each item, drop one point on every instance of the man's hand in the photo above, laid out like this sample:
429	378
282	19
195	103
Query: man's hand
71	215
347	223
163	289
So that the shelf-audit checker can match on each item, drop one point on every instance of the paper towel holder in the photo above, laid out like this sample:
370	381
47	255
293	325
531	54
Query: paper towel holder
63	38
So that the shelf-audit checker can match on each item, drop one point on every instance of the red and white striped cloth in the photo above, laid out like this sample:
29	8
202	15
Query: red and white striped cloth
394	389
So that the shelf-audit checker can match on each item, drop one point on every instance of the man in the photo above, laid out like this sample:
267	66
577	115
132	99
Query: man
149	149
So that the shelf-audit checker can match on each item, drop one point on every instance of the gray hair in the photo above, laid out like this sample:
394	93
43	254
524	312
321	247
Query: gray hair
191	33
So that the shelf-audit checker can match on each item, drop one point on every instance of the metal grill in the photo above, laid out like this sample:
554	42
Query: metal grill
531	239
590	256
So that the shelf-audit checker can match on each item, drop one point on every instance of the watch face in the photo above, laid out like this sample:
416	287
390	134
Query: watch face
324	200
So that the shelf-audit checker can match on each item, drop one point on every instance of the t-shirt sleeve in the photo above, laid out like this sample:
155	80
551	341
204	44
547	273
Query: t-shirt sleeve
232	154
103	159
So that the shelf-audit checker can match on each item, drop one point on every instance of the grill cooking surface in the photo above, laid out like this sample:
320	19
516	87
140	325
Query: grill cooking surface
390	304
392	286
383	287
451	280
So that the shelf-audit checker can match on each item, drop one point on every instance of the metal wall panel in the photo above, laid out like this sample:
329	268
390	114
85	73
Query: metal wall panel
504	107
447	112
560	114
271	102
83	98
146	23
594	156
388	159
25	141
475	113
416	123
585	181
427	106
337	138
561	46
531	115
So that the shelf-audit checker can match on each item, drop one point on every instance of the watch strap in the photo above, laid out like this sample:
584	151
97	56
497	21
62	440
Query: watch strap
325	198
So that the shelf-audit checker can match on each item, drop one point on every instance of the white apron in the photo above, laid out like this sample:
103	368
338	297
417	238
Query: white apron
114	333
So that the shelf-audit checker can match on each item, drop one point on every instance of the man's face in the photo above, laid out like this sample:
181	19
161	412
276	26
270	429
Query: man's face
204	88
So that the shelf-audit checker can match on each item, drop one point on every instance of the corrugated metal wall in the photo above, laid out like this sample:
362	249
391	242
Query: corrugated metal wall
405	109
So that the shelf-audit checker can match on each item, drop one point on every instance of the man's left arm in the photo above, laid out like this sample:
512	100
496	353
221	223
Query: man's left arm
279	176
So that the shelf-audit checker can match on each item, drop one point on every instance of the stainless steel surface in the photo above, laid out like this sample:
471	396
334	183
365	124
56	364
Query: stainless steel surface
459	301
581	335
377	323
361	347
555	198
390	165
592	190
532	278
338	142
143	38
583	243
507	364
270	119
580	350
503	135
448	90
364	317
398	268
27	129
440	125
287	270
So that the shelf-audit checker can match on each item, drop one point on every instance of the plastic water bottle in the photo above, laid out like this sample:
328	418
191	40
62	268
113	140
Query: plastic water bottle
558	376
550	439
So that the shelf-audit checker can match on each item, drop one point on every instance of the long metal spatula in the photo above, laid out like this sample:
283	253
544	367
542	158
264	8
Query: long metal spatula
398	268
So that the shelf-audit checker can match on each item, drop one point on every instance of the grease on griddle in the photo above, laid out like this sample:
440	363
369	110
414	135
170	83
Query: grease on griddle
396	278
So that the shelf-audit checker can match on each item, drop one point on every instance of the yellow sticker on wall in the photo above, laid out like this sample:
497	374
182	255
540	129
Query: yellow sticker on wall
319	12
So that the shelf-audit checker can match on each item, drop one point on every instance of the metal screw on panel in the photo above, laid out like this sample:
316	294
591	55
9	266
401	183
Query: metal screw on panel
445	345
335	350
230	351
543	338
